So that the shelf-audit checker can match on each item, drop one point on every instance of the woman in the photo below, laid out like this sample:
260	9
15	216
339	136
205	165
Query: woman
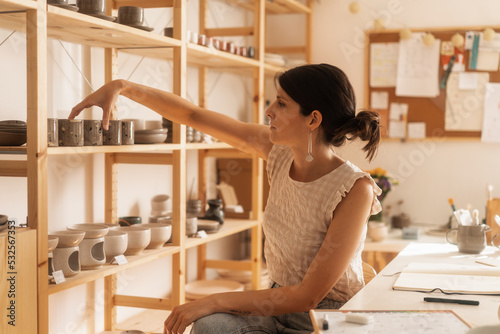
318	206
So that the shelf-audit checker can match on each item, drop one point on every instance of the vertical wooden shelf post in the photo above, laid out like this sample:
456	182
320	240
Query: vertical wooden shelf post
179	159
36	56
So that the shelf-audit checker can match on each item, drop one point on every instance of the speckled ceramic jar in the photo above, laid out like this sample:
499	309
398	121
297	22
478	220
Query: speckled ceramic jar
127	132
70	132
92	131
113	136
52	132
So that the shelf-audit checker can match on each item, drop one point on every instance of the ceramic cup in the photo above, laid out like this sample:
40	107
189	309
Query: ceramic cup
67	259
91	6
92	132
131	15
52	132
160	203
377	231
469	238
113	136
70	132
92	255
160	234
139	238
128	132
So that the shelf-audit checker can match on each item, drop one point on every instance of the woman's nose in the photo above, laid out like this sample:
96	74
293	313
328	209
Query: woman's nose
269	112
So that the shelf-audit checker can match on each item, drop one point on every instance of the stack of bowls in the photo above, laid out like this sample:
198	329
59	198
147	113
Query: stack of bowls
12	133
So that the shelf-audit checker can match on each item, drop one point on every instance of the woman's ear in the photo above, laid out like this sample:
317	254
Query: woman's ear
315	119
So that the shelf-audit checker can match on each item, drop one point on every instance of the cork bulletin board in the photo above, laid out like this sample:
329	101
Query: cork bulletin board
431	111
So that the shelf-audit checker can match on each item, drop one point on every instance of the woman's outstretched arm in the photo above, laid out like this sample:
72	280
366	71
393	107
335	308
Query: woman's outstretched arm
251	138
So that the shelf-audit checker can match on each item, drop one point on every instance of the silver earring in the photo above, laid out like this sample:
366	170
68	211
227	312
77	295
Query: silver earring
309	156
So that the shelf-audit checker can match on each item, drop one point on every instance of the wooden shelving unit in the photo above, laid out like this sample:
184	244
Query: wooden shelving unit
39	22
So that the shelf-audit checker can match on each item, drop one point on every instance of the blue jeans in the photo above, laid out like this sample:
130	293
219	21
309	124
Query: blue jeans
290	323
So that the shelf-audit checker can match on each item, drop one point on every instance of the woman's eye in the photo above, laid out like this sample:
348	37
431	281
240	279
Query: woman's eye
281	104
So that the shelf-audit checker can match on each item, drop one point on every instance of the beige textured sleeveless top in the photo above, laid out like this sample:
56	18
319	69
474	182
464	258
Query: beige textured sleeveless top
297	218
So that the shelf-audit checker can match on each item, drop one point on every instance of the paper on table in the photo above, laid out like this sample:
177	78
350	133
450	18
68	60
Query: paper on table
383	64
418	68
397	321
464	108
491	118
449	278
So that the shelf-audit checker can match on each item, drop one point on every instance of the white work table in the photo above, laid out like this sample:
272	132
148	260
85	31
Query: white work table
379	295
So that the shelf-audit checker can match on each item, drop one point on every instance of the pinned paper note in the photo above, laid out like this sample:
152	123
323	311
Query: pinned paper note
491	119
379	100
383	64
418	68
416	130
467	80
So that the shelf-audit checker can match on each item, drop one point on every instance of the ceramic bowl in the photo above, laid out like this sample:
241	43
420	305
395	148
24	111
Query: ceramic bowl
115	243
10	138
68	238
150	136
139	238
92	231
129	220
3	222
53	241
160	234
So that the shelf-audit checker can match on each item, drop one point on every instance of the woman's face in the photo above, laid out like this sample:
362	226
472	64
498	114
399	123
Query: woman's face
288	126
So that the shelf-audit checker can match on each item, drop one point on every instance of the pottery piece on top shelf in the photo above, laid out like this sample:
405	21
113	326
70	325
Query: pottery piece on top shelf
113	135
70	132
132	16
92	132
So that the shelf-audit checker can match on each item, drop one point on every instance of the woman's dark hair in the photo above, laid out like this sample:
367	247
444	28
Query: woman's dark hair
326	88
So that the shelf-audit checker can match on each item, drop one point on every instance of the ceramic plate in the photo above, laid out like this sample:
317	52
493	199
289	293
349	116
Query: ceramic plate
101	16
139	27
199	289
65	6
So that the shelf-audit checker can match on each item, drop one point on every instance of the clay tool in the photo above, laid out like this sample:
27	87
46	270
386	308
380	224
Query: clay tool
450	200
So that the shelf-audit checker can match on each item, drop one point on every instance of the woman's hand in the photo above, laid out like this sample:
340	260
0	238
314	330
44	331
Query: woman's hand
185	314
105	97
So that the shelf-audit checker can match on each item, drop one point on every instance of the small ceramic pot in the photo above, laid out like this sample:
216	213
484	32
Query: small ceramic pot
52	132
115	243
131	15
191	225
168	31
91	6
127	132
67	259
214	211
92	253
113	136
70	132
92	132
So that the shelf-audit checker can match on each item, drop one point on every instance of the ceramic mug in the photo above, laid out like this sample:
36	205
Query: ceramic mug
469	238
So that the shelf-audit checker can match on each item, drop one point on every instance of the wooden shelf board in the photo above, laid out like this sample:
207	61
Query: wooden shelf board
276	6
15	5
137	148
230	227
85	29
86	276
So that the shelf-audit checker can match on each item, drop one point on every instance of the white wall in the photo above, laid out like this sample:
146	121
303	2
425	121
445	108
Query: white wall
430	172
